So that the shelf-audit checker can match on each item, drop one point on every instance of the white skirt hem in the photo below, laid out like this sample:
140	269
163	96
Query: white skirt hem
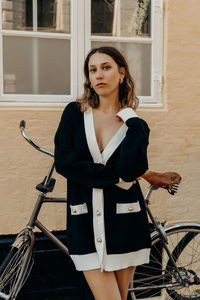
111	262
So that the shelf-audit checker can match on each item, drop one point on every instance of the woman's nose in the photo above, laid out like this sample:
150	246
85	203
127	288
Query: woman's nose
99	74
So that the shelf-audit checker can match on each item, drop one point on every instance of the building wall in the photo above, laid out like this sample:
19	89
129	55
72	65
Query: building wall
175	132
174	140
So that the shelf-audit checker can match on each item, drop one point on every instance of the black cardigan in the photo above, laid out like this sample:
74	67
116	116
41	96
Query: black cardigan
123	232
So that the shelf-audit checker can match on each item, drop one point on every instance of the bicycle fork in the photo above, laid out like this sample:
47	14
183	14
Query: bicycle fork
24	235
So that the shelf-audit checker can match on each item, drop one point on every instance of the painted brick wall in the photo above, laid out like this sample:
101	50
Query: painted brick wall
174	141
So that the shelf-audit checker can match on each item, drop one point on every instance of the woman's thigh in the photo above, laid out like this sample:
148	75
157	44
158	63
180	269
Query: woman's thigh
124	277
103	285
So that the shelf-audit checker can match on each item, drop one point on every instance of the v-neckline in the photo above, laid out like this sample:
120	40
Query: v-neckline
110	147
111	139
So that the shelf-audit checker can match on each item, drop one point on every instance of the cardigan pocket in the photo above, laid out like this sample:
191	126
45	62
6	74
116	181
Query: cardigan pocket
79	209
125	208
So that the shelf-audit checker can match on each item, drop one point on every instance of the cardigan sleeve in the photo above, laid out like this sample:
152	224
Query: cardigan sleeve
133	161
69	163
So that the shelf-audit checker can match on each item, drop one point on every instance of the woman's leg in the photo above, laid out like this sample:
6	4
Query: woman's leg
123	277
103	285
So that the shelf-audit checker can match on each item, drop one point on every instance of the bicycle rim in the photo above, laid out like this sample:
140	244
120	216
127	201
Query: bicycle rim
150	280
14	273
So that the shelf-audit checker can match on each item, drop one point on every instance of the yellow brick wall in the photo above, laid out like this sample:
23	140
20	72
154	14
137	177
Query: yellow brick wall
174	141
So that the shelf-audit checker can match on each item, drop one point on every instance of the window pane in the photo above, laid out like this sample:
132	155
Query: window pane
139	60
121	17
36	65
17	15
54	16
50	16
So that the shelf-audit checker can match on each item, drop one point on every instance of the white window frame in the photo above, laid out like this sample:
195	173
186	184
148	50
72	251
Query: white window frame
80	45
155	100
35	100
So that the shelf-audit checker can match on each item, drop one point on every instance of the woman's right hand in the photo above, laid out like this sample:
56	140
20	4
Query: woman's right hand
162	179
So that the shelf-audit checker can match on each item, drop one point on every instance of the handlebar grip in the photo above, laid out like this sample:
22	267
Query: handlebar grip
22	124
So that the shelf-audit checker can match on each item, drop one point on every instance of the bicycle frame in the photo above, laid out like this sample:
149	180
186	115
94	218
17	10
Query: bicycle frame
34	222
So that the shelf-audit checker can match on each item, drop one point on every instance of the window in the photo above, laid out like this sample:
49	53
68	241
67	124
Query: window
135	28
43	45
36	51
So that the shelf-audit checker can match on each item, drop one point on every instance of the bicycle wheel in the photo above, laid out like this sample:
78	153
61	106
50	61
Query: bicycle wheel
13	270
160	278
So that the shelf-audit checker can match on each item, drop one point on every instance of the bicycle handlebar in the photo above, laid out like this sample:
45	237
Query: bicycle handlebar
22	126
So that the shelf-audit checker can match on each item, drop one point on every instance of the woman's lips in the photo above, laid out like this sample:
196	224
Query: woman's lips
100	84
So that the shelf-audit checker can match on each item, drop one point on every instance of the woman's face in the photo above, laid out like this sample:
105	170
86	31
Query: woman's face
104	74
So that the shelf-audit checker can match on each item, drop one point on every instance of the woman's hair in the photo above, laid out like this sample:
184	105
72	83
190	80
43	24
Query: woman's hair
127	96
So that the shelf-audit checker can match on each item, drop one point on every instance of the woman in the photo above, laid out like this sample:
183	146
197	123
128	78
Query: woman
101	148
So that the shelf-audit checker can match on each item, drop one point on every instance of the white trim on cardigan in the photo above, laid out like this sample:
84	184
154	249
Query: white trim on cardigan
103	157
114	142
79	209
101	259
97	194
112	262
127	208
127	113
124	185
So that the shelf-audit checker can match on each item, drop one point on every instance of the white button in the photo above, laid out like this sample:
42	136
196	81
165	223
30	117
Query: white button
98	213
99	240
74	211
130	209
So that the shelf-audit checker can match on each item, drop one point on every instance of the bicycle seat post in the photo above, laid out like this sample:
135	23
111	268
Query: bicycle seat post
150	190
47	181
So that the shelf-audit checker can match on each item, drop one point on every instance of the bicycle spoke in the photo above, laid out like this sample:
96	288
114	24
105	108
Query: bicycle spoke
184	246
12	277
13	270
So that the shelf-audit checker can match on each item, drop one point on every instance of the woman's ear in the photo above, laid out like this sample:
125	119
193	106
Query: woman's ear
122	71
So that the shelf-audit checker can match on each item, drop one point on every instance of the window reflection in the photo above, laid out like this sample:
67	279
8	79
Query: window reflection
54	15
46	14
121	17
36	66
50	15
15	13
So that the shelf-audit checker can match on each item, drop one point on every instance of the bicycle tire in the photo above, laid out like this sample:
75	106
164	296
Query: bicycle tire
159	278
13	270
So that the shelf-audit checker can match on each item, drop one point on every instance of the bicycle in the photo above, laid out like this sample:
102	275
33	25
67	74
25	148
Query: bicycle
166	256
174	268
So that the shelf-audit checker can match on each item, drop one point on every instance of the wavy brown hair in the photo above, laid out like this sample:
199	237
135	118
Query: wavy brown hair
127	96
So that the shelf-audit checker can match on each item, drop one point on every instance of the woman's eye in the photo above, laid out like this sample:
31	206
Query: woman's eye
106	67
92	70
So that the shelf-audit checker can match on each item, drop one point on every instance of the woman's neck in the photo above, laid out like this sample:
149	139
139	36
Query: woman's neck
109	105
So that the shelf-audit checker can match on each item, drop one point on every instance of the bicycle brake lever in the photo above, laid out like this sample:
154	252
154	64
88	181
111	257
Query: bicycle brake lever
172	189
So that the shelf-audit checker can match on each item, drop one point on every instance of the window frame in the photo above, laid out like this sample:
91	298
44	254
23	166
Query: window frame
42	99
80	36
156	39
